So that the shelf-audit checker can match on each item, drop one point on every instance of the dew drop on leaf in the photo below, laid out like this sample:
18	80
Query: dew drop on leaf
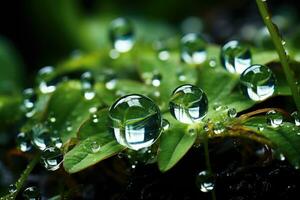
51	158
29	100
258	82
205	181
31	193
193	49
165	124
95	147
23	142
232	113
235	57
12	188
218	128
188	104
43	78
121	34
41	137
135	121
296	117
156	79
274	118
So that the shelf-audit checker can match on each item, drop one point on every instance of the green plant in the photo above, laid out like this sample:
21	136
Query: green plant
73	114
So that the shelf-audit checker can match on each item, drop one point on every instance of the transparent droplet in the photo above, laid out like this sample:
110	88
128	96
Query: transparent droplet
87	82
156	80
212	62
192	131
43	78
95	147
281	157
205	181
111	84
163	55
188	104
12	188
41	137
121	34
193	49
23	142
165	124
181	76
29	100
260	127
232	113
274	118
31	193
258	82
218	128
95	118
51	158
93	109
135	121
235	57
296	117
217	107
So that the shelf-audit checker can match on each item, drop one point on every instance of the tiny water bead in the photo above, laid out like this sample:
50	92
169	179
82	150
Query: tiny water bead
193	49
232	113
165	124
218	128
87	81
51	158
258	82
188	104
31	193
23	142
274	118
235	57
95	147
156	79
296	117
121	34
29	101
12	188
205	181
44	75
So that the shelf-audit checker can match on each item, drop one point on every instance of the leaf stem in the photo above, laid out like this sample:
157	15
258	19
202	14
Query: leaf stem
278	43
20	182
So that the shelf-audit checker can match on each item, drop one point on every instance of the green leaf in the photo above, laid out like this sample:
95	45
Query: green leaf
82	156
174	144
285	137
10	110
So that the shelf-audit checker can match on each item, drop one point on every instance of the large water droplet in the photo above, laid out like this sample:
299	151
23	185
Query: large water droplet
121	34
44	75
188	104
235	57
296	117
258	82
29	102
274	118
193	49
23	142
51	158
205	181
31	193
135	121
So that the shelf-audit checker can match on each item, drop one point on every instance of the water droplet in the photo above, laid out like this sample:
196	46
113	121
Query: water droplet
260	127
95	118
218	128
111	84
12	188
95	147
235	57
188	104
121	34
192	131
281	157
165	124
258	82
163	55
232	113
206	127
41	137
31	193
156	80
23	142
87	82
205	181
193	49
217	107
212	62
114	54
181	76
296	117
51	158
274	118
44	75
93	110
135	121
29	99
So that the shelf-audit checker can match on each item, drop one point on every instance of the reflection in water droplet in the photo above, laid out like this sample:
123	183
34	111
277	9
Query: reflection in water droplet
44	75
193	49
235	57
135	121
31	193
205	181
121	34
274	118
296	117
188	104
258	82
165	124
23	142
232	113
51	158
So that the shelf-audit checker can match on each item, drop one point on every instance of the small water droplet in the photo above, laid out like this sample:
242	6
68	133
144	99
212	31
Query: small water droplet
181	76
218	128
156	79
206	127
23	142
135	121
121	34
193	49
192	132
111	84
93	110
163	55
188	104
235	57
165	124
232	113
12	188
87	82
31	193
51	158
296	117
260	127
114	54
95	118
44	75
217	107
205	181
29	100
95	147
281	157
258	82
274	118
212	62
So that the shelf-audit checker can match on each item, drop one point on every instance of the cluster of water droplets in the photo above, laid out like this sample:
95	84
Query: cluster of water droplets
29	101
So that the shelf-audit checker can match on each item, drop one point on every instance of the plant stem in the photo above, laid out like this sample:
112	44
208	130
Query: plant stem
20	182
207	160
278	43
